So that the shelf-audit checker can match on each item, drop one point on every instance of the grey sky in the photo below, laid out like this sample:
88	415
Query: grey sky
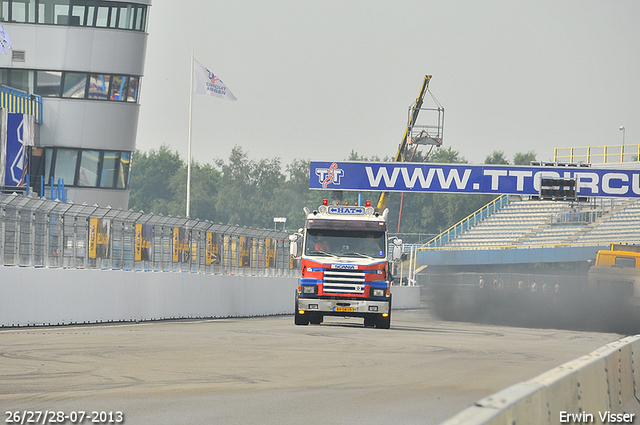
316	79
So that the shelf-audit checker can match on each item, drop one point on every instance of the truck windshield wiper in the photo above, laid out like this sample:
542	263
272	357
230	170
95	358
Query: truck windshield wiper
358	254
328	254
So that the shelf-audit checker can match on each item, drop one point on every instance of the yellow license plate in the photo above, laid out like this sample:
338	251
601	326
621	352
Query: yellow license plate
344	309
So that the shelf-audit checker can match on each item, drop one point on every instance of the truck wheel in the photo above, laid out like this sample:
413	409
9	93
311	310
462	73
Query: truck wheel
383	322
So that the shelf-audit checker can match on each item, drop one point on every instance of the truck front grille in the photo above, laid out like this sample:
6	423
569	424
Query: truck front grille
344	281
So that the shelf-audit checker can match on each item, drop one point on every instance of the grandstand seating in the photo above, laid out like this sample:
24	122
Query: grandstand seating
549	223
508	224
621	226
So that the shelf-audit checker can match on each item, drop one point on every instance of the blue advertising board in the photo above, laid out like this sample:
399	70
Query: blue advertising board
466	178
17	138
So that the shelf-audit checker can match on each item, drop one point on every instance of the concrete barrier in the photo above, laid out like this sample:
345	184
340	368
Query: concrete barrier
34	296
588	387
405	297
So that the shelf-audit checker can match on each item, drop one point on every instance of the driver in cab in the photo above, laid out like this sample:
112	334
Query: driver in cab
321	245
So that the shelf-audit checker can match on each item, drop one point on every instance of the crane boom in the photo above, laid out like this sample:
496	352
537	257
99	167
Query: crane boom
401	154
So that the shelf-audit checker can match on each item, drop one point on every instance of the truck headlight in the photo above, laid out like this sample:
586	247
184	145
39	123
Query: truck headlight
375	292
309	289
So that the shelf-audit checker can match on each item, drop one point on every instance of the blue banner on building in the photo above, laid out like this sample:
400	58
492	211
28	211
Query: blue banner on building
15	137
465	178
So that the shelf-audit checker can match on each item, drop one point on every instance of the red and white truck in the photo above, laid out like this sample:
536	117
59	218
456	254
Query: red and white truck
345	264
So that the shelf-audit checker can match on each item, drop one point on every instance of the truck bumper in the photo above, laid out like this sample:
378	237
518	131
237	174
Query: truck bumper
343	307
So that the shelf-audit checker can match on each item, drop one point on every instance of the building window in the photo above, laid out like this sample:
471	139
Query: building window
23	11
99	86
48	160
91	13
125	20
53	12
89	164
48	83
86	168
109	169
18	79
75	85
140	18
83	12
65	165
4	11
113	16
102	20
124	170
118	88
133	89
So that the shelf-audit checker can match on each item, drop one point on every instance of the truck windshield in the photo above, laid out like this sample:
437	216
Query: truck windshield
345	243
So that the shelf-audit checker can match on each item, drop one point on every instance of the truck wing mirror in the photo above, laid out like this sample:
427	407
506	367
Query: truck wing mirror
397	253
293	245
397	249
293	249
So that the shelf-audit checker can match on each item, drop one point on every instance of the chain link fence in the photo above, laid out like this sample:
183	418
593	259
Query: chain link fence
35	232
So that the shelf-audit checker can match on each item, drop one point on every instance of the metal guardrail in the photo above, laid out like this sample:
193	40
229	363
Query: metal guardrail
598	154
21	102
36	232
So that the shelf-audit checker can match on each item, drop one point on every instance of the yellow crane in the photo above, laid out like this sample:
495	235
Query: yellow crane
419	133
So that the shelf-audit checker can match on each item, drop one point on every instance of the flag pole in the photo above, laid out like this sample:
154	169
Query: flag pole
189	146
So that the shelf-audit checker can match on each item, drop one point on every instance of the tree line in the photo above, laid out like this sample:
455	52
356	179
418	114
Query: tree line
248	192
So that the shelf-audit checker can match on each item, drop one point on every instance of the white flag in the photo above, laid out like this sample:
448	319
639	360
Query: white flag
206	82
5	41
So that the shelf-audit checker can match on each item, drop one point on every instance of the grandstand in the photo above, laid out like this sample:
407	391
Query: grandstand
514	222
620	226
531	222
528	240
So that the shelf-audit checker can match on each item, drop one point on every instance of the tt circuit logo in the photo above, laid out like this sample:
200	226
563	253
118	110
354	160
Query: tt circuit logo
329	175
212	77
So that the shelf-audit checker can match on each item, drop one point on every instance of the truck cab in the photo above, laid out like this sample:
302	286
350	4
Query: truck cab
616	273
344	265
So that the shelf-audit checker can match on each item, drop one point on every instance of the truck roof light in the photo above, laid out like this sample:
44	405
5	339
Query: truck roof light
325	202
367	204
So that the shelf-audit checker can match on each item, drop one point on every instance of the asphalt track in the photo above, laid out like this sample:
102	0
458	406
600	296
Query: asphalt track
268	371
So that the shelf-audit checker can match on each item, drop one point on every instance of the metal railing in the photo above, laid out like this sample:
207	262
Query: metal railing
36	232
598	154
21	102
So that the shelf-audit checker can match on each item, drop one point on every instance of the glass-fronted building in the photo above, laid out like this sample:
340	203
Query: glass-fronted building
86	59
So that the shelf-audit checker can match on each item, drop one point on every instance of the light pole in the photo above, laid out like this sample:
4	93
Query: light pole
624	130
